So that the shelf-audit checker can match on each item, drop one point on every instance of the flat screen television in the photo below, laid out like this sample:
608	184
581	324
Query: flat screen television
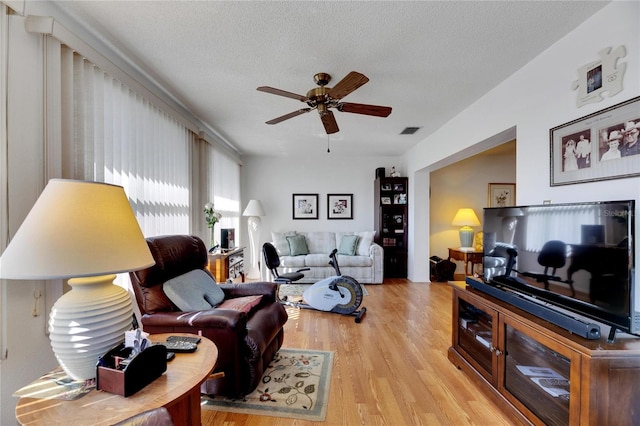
577	258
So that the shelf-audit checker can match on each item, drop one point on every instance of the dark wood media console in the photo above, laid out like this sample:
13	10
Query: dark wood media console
540	372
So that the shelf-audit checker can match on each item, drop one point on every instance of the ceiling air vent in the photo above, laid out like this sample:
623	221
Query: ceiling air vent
409	130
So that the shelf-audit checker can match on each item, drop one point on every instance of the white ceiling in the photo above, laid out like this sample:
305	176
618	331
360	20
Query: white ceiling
426	59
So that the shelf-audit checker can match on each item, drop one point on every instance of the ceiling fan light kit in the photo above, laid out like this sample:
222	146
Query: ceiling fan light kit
322	98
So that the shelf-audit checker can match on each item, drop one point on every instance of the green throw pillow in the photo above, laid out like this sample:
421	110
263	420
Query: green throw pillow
298	245
348	245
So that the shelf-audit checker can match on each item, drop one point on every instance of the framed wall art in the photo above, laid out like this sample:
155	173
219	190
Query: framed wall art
502	195
305	206
602	77
600	146
339	206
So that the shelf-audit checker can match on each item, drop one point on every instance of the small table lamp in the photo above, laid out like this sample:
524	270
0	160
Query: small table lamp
466	218
88	232
254	210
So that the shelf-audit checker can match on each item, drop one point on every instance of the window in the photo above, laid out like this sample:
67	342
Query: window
119	137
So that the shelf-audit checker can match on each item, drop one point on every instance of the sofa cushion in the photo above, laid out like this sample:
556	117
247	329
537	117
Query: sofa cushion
316	259
298	245
321	242
280	242
293	262
366	239
359	261
348	245
193	291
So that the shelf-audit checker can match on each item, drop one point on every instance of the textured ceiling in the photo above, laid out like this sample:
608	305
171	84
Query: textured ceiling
427	60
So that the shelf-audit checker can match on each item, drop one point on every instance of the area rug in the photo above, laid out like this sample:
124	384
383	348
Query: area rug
293	292
295	385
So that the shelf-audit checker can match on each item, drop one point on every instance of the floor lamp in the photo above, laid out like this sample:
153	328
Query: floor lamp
85	231
254	210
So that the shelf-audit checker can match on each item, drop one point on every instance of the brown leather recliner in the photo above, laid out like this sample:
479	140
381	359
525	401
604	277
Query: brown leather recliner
246	342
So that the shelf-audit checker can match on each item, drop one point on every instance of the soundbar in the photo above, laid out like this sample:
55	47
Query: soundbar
574	325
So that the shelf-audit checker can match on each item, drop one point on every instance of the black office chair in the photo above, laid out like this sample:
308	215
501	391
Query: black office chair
553	255
272	262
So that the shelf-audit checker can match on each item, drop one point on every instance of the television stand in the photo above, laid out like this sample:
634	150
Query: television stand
512	354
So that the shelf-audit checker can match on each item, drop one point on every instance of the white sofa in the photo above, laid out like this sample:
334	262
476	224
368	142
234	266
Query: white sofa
365	265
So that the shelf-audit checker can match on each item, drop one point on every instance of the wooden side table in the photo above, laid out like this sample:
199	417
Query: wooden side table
228	264
178	389
468	257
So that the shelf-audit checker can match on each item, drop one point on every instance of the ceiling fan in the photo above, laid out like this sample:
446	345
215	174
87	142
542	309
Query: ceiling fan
322	98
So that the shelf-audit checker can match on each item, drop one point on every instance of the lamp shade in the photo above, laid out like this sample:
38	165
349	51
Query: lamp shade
254	208
80	229
465	217
85	231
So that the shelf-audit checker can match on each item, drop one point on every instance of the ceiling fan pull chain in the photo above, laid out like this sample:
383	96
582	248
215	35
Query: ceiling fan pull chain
328	150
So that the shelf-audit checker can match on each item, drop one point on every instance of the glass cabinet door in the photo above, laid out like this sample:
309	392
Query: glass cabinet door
537	376
475	335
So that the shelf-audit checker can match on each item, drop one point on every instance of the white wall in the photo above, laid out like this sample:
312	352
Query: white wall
274	180
536	98
463	184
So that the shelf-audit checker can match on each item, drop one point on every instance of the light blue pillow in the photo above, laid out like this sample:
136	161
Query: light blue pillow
348	245
193	291
298	245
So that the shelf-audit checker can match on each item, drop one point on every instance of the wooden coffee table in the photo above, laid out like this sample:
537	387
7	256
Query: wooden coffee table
178	389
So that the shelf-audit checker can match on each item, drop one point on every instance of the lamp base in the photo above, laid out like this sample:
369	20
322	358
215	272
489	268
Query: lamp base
254	224
88	321
466	237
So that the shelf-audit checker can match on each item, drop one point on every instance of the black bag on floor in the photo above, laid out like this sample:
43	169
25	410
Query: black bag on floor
441	269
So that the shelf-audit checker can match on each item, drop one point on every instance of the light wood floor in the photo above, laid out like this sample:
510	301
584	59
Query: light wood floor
391	369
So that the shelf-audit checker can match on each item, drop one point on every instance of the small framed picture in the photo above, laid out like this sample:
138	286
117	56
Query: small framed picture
385	200
386	187
400	199
305	206
339	206
502	195
398	187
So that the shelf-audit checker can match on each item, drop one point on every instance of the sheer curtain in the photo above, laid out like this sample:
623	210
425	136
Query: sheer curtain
224	175
548	222
116	136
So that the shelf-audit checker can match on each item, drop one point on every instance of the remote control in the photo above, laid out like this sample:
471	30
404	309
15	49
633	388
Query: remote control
191	339
180	346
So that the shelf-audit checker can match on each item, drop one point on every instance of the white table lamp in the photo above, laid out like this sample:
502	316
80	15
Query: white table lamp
85	231
466	218
254	210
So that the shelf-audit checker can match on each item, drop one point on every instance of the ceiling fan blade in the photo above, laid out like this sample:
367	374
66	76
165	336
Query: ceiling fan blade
377	110
351	82
284	93
288	116
329	121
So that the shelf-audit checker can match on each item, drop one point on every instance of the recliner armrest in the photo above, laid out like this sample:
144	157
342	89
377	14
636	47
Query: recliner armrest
265	288
211	318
